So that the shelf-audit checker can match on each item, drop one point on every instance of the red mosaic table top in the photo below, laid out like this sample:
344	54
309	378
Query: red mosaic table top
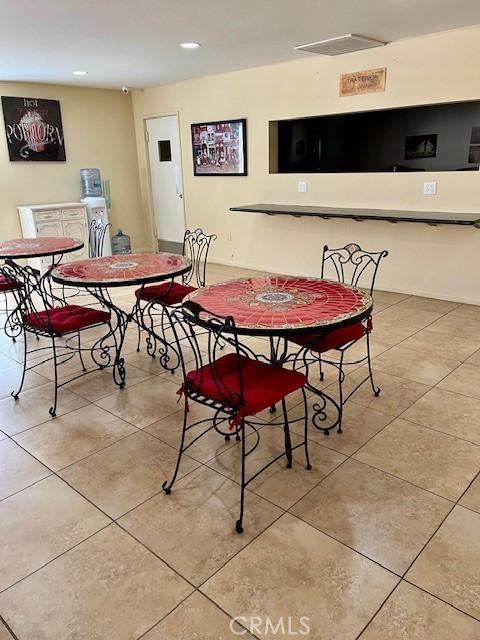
275	303
124	269
38	247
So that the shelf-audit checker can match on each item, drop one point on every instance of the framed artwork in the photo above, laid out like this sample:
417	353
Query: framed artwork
475	137
220	148
474	154
34	131
421	146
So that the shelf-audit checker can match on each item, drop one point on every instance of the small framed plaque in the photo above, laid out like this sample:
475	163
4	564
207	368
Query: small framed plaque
369	81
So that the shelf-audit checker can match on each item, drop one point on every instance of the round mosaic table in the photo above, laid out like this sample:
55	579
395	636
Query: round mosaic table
97	275
277	305
37	247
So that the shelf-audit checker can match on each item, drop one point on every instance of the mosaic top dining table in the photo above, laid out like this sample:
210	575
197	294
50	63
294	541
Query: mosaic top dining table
279	306
98	275
23	248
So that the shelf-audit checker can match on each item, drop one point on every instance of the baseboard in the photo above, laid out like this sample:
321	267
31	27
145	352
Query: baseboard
406	291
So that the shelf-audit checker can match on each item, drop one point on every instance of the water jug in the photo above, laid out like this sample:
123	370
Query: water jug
121	243
91	183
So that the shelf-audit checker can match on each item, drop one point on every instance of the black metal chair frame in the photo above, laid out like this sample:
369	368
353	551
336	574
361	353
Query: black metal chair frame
185	323
350	263
97	231
151	316
39	287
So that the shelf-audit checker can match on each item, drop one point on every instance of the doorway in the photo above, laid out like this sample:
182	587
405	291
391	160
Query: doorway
165	162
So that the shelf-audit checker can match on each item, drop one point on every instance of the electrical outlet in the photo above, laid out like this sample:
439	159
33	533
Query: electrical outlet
429	188
302	187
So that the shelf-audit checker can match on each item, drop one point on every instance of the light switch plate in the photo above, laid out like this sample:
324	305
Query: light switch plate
429	188
302	187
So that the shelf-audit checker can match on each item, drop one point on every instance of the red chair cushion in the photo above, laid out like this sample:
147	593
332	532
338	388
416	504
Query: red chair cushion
66	319
168	292
9	285
263	384
333	340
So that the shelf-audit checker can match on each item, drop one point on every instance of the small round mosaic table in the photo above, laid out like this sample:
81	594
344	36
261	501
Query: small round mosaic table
97	275
24	248
279	306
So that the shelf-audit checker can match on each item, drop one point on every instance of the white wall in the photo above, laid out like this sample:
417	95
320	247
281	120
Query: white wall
434	261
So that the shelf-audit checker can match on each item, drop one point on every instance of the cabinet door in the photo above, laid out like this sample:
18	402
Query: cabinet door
47	228
76	229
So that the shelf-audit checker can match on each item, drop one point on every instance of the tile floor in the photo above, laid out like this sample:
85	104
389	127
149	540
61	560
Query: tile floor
381	541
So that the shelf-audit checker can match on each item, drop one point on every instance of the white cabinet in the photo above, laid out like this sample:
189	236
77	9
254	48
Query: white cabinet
63	219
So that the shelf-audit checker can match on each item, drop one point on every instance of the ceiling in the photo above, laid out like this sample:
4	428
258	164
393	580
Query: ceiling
135	42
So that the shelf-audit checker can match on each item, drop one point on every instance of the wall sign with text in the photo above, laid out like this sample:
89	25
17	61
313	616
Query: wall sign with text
369	81
34	131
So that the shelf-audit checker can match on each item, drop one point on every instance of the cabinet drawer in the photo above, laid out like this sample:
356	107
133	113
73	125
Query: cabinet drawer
47	215
73	214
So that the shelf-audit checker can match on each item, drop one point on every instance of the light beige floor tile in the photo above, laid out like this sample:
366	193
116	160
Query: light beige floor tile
474	359
210	503
433	343
359	425
391	332
17	469
144	403
99	384
39	523
199	619
389	297
428	304
448	412
67	439
109	587
3	436
278	484
414	318
340	591
430	459
397	394
471	499
384	518
4	634
169	430
471	311
32	407
464	380
6	362
406	363
456	326
411	614
10	380
449	566
141	360
125	474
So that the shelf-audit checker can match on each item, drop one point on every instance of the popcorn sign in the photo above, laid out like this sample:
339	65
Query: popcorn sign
33	128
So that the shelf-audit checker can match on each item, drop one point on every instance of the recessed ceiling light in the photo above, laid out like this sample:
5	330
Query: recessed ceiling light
190	45
80	73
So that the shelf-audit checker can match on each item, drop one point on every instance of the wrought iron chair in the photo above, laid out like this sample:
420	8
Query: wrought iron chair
196	245
43	313
234	385
12	325
96	238
349	265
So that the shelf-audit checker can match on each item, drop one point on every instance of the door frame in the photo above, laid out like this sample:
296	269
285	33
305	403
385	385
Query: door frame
151	208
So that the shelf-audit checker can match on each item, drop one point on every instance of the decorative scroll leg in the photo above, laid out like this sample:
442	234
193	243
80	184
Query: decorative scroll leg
376	390
119	374
80	352
139	334
286	431
340	392
167	486
239	523
320	368
15	394
53	409
308	466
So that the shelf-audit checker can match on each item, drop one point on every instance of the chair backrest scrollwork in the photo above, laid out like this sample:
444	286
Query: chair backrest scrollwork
352	265
196	245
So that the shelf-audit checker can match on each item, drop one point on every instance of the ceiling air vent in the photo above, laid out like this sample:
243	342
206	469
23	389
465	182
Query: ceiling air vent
342	44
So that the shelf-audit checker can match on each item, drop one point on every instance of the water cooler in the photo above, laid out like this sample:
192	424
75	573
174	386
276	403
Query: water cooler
97	210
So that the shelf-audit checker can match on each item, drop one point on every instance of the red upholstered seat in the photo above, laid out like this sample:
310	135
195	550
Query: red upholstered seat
8	285
62	320
333	340
263	384
168	292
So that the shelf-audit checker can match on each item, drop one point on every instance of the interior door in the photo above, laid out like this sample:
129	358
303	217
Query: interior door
166	179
